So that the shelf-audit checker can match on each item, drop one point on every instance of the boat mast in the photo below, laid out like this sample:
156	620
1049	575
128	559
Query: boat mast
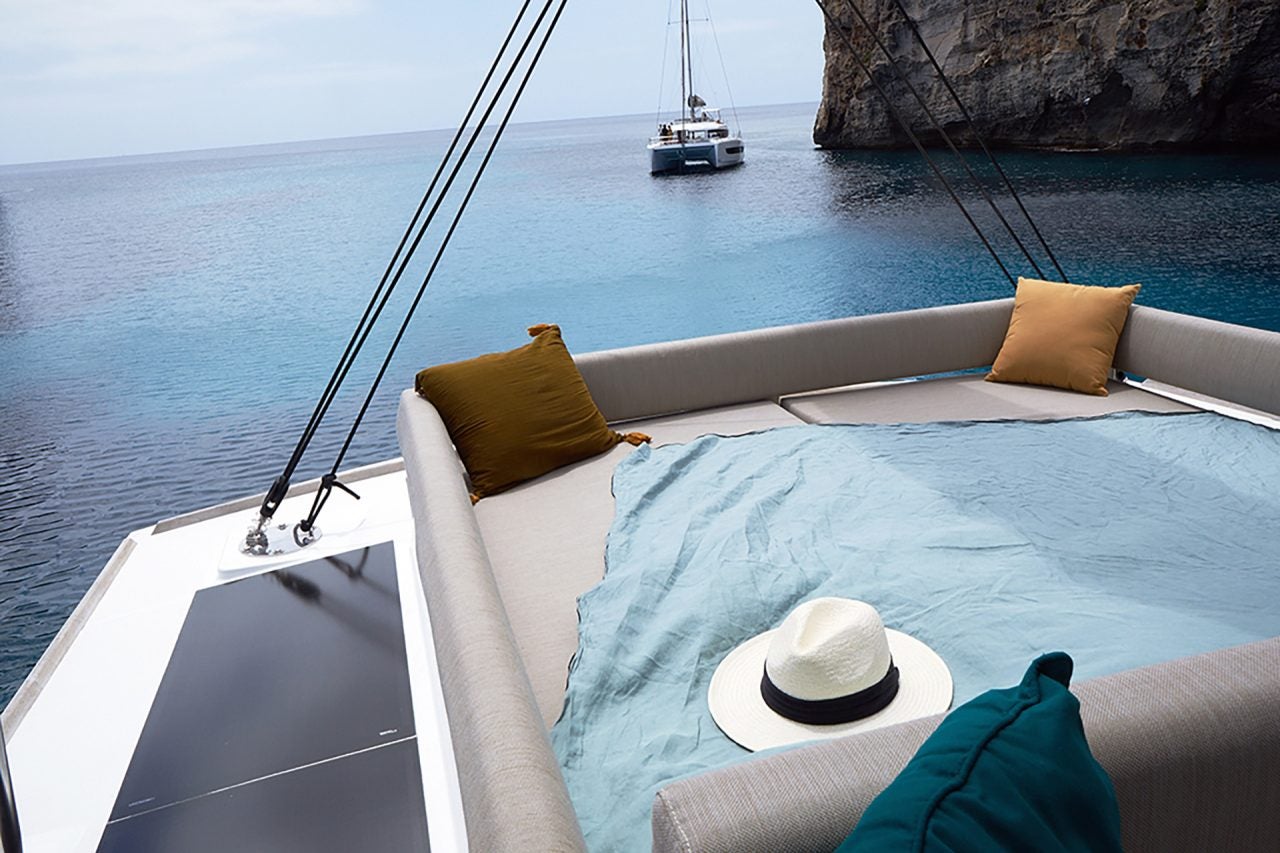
687	40
684	52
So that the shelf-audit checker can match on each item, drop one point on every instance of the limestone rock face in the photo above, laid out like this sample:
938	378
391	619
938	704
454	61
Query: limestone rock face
1092	74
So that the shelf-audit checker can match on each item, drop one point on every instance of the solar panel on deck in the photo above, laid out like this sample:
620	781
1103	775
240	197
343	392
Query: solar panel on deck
283	722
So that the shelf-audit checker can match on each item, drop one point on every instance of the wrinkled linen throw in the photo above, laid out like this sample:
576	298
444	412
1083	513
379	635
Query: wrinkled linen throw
1123	540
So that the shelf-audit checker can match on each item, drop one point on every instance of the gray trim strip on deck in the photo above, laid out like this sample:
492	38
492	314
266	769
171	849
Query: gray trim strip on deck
31	686
355	475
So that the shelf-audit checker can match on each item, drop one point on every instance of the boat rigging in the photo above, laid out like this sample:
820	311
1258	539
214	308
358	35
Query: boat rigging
263	538
699	137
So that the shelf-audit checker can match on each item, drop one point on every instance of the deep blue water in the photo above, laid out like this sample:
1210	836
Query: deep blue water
166	322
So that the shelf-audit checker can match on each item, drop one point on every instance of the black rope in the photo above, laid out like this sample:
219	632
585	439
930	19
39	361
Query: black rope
348	357
853	7
329	481
688	58
853	51
457	169
978	137
685	83
280	487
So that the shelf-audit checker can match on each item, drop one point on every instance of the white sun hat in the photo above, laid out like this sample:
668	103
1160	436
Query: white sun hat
831	669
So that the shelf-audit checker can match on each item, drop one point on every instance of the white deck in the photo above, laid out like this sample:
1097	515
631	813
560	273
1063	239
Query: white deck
70	751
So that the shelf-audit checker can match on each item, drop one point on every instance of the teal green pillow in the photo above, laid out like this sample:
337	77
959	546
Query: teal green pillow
1009	770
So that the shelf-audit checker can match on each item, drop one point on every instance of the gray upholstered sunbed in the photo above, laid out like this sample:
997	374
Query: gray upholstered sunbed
1193	746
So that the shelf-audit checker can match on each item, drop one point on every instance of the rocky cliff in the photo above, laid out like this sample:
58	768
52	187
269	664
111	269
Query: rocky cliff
1135	74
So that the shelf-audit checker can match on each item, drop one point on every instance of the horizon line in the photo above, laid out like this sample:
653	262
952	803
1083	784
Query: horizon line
100	158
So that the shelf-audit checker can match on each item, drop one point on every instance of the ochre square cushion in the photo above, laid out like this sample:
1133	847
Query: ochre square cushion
1010	770
516	415
1063	335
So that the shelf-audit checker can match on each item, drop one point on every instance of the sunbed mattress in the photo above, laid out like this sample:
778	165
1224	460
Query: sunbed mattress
545	540
1124	540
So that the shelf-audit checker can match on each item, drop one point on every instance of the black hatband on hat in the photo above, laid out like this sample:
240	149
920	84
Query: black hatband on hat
829	712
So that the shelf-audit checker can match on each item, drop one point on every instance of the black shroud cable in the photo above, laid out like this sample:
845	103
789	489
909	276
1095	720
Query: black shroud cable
382	293
946	137
973	128
348	356
853	51
330	480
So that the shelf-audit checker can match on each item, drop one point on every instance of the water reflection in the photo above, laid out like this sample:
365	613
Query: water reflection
10	290
1201	233
866	183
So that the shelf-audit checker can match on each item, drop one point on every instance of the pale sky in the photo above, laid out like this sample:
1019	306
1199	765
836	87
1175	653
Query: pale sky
90	78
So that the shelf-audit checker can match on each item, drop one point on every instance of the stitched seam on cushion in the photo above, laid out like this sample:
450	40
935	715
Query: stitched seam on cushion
685	843
971	760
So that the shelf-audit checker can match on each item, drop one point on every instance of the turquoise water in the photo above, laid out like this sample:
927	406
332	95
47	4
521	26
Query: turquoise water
166	322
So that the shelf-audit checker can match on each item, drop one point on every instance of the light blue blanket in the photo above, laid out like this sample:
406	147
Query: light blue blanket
1123	540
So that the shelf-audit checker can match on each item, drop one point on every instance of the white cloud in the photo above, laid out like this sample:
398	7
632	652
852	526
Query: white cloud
338	72
84	39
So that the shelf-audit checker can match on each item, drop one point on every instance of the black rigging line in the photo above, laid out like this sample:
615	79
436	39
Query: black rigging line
281	485
685	82
733	106
973	128
688	39
457	168
662	76
329	481
347	355
853	51
853	7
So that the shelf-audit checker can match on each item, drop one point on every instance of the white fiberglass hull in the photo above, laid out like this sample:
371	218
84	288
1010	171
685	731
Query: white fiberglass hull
677	156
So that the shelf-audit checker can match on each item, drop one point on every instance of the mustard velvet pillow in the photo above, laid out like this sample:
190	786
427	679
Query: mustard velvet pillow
1063	335
516	415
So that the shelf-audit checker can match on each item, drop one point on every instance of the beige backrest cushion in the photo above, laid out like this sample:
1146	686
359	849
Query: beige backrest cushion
1063	335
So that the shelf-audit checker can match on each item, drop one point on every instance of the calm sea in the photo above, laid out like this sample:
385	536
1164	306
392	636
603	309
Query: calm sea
166	322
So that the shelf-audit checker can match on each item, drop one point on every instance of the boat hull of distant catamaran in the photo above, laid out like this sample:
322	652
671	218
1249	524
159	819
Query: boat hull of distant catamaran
677	156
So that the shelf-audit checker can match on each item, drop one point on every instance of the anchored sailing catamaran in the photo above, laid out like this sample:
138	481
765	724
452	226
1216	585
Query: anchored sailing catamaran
699	137
388	686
